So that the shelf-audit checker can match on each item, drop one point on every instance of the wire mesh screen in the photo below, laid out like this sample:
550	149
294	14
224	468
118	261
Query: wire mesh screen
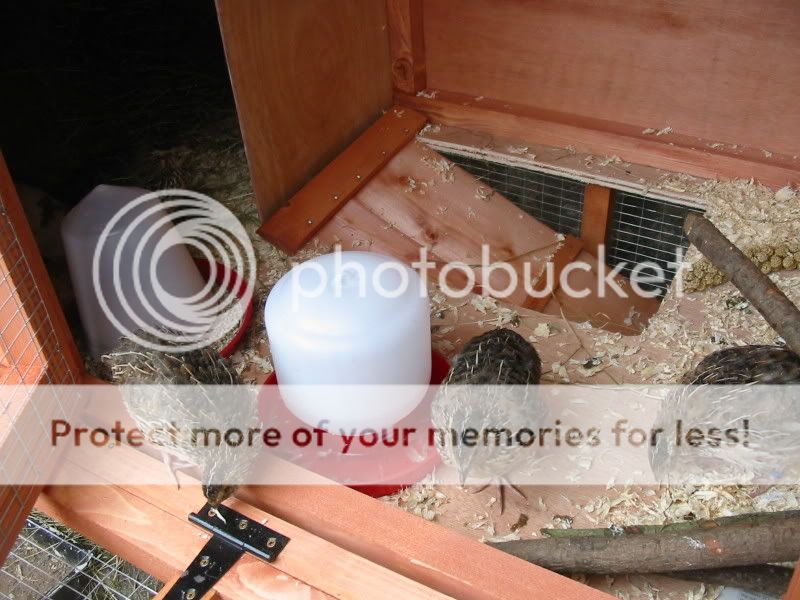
645	229
553	200
31	354
642	229
49	561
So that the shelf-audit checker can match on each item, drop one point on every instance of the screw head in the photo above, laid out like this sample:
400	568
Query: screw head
191	593
271	542
242	524
204	560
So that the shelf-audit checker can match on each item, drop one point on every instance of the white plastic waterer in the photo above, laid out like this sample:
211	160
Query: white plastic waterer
173	269
352	318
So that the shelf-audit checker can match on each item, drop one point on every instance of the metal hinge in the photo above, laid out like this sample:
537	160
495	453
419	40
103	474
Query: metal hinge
230	539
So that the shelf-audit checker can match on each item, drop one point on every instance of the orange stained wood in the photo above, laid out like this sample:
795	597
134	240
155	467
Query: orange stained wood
37	347
404	544
407	44
674	152
422	200
427	552
645	64
793	593
148	526
210	595
308	78
314	205
598	203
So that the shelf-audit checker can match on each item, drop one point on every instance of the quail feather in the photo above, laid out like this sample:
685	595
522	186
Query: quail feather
747	364
162	408
719	396
488	391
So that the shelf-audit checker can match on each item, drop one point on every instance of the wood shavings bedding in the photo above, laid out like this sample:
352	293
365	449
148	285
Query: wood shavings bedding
680	335
422	499
764	224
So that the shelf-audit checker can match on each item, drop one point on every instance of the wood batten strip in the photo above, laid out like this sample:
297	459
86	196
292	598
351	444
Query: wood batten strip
674	152
597	207
317	202
406	44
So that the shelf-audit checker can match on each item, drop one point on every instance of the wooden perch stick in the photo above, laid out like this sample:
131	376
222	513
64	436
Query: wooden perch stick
737	541
704	524
782	315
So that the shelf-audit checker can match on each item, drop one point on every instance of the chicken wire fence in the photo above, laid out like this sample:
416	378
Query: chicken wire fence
642	228
49	561
46	559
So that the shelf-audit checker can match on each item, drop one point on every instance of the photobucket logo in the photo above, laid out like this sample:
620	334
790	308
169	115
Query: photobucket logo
145	278
343	275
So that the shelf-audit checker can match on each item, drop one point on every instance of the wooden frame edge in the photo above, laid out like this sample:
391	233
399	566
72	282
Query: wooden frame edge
671	152
292	226
27	284
598	205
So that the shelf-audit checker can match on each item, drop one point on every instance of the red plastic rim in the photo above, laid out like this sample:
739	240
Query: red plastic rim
235	284
392	466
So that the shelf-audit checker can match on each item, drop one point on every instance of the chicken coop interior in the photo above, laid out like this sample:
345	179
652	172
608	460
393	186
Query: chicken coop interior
603	133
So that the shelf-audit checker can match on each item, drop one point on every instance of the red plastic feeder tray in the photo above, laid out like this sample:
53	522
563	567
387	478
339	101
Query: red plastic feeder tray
383	466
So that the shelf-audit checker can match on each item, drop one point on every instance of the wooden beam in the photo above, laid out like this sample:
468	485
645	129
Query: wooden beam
210	595
426	552
148	526
597	207
575	57
314	205
674	152
406	44
382	534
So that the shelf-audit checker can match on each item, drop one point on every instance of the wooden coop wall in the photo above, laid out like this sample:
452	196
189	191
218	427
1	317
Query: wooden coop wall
596	75
308	78
37	347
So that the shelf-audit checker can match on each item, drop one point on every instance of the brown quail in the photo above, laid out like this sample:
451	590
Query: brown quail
161	405
471	399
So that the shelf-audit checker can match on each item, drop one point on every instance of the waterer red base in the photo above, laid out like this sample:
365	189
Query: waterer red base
382	466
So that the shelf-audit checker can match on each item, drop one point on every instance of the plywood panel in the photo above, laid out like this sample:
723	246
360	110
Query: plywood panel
308	77
421	199
407	43
724	71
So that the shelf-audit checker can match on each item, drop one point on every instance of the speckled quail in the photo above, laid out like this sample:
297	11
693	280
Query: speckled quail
718	394
476	397
746	364
161	405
